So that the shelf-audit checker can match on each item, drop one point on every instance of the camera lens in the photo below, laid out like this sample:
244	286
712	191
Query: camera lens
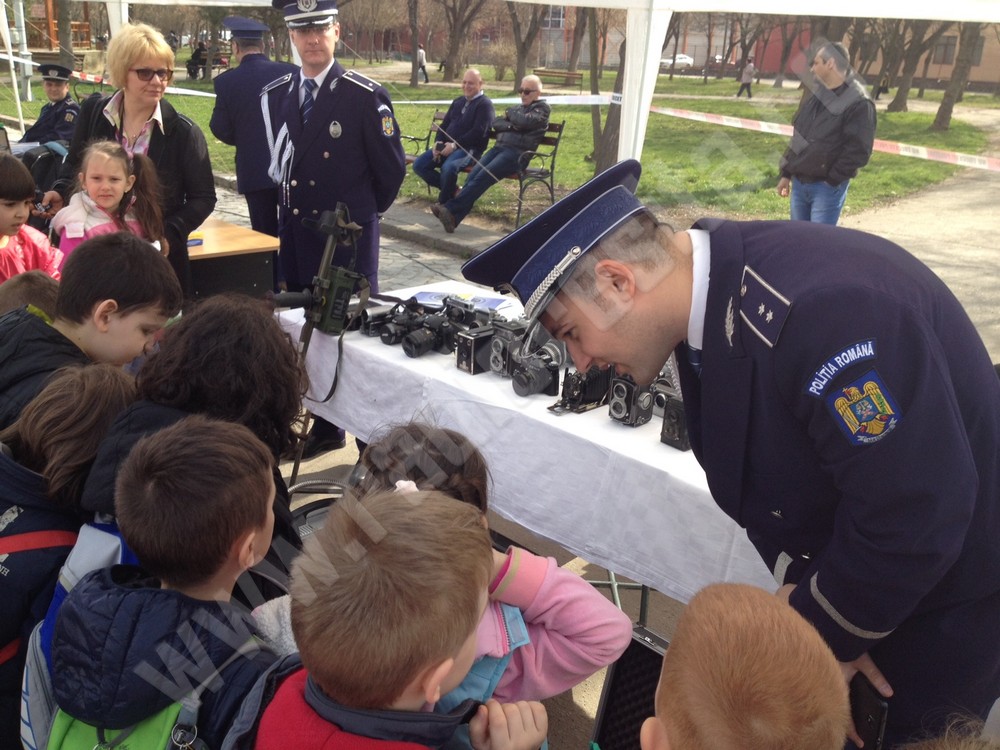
392	333
531	380
419	342
619	391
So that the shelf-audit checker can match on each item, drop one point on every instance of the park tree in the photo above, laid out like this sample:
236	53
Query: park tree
968	40
460	16
579	32
413	20
790	28
921	36
66	58
525	22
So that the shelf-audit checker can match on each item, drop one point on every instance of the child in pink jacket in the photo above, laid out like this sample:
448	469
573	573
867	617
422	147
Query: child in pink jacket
544	630
22	248
118	193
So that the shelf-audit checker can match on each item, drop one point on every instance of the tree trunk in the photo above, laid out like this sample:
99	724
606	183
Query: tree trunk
788	37
708	53
413	14
919	43
967	39
66	57
595	78
524	40
923	76
578	33
607	147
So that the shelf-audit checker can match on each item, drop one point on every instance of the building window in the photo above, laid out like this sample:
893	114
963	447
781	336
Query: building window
944	52
554	18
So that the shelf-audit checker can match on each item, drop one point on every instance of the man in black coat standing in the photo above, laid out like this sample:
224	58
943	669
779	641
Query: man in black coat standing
237	119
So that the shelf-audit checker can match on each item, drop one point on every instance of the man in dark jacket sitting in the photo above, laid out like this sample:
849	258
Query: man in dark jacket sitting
521	129
461	138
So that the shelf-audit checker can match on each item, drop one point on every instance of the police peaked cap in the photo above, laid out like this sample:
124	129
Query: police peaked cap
534	261
245	28
53	72
301	13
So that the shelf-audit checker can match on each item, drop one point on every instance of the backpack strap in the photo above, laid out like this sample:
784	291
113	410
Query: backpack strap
9	651
32	540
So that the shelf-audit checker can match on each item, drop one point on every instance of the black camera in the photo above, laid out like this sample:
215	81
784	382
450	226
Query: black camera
472	354
674	430
539	371
629	403
582	391
507	336
403	319
436	332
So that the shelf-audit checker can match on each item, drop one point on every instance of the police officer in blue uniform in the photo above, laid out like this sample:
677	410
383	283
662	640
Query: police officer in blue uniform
332	137
57	119
237	119
840	400
339	142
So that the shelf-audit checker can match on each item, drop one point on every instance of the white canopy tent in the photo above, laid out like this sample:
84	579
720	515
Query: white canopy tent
647	27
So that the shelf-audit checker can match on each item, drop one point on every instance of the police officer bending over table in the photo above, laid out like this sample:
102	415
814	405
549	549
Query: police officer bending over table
333	137
840	400
57	119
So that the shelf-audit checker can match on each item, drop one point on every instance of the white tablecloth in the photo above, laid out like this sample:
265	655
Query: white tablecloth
611	494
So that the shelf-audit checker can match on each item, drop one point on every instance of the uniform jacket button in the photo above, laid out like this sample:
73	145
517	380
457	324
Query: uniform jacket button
295	212
312	183
295	183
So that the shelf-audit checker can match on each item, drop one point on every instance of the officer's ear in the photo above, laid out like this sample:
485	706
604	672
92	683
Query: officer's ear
615	278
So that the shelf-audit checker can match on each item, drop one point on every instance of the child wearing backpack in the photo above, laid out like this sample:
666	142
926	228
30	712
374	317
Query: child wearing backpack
544	629
116	194
22	248
132	644
386	597
44	459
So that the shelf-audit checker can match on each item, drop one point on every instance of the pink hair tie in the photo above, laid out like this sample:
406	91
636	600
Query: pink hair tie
406	487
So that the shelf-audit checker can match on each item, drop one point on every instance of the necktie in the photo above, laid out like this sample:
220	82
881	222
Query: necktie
694	357
307	100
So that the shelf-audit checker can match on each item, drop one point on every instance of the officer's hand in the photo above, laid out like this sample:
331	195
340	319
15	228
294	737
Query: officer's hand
783	187
54	201
866	666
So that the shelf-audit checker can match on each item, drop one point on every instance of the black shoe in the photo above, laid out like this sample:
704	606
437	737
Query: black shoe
314	445
447	220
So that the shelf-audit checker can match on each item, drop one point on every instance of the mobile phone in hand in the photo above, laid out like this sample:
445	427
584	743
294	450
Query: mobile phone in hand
869	711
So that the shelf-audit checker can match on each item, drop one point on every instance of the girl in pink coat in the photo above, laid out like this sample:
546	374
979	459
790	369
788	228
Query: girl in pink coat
117	193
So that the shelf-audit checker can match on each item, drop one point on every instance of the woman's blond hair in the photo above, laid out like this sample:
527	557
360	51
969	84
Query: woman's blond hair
132	43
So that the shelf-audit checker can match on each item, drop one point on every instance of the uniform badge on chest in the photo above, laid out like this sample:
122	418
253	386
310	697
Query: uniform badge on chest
335	129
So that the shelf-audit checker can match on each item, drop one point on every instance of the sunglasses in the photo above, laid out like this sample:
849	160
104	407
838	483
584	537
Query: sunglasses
525	92
146	74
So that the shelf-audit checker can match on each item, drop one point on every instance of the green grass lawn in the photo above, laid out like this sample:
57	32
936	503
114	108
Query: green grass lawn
689	166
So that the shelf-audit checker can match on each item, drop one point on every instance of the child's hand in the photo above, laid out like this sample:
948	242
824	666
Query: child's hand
509	726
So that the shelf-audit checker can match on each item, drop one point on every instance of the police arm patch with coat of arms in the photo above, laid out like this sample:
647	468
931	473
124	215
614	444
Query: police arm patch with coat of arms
864	409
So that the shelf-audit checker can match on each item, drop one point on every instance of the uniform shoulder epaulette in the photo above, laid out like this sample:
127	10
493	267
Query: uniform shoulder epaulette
763	308
361	80
279	82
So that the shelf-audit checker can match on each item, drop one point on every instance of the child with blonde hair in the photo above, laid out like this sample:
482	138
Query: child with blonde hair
117	193
22	248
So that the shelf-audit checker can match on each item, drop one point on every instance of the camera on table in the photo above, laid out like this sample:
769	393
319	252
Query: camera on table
507	335
373	318
473	350
436	332
582	391
538	372
629	403
674	430
404	318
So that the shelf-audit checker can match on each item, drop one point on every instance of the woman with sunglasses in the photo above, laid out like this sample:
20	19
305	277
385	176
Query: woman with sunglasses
141	64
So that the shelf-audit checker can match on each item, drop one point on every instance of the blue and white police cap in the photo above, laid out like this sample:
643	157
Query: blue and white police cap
535	261
301	13
245	28
53	72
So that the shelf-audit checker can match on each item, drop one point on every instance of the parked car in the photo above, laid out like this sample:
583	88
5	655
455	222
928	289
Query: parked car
682	62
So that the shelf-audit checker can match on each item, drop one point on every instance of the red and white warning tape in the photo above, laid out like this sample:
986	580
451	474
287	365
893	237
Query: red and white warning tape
989	163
